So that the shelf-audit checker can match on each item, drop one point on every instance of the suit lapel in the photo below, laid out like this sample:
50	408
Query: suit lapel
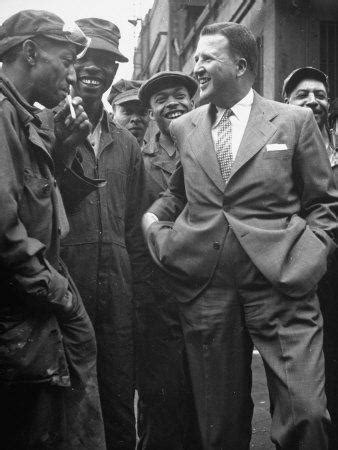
202	145
257	132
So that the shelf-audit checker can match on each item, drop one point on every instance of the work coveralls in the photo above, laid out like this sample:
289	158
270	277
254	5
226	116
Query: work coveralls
48	385
103	246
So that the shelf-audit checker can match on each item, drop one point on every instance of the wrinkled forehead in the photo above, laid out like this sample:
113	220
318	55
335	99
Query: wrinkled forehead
212	43
58	48
132	105
310	85
172	89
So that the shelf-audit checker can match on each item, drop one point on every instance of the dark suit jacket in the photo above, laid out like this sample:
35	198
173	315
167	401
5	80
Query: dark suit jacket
281	204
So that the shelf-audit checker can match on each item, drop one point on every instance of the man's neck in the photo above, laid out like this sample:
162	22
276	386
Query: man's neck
93	110
18	77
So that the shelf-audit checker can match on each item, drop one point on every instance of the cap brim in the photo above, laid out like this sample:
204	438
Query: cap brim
162	81
101	44
292	81
125	99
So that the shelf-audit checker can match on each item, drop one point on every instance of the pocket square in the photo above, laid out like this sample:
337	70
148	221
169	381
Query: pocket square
275	147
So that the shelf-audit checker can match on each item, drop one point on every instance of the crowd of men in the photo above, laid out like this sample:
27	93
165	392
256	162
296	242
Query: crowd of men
150	249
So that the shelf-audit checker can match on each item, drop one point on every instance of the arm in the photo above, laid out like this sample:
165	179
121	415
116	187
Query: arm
319	198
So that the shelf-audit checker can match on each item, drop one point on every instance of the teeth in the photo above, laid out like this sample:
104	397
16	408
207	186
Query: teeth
203	80
173	115
89	81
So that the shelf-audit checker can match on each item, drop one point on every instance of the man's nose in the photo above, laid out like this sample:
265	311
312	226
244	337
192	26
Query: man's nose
171	101
71	75
198	68
311	99
135	118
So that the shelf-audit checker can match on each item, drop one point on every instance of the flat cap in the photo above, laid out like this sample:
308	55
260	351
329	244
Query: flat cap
164	80
104	36
302	73
29	23
124	91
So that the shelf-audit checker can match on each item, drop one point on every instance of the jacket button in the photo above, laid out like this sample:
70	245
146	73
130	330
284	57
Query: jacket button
216	245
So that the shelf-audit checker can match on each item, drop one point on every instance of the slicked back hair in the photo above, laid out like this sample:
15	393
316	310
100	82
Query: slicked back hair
242	42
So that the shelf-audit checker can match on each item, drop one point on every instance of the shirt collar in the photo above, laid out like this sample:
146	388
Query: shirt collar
238	108
166	143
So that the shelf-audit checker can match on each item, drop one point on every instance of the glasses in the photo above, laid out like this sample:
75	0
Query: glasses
76	36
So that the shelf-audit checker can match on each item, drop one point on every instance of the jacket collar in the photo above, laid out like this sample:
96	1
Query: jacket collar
258	130
26	112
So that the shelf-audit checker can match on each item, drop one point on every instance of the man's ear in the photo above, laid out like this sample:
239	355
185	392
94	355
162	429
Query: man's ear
30	52
286	100
151	114
242	66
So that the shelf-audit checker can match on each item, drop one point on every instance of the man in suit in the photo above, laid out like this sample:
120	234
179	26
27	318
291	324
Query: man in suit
245	229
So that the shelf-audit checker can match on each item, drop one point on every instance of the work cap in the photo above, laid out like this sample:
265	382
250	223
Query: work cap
30	23
104	36
124	91
302	73
164	80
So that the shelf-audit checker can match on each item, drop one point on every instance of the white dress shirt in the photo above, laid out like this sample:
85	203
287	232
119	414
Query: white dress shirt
239	120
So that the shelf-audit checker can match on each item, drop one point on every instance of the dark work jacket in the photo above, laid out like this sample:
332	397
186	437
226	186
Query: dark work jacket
32	288
159	163
107	218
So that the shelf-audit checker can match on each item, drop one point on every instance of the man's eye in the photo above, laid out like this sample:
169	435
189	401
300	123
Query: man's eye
67	63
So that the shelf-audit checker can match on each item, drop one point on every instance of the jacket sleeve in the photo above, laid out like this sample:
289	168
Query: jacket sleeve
314	178
24	270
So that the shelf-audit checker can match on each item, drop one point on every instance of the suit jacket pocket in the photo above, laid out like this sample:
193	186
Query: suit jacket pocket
292	259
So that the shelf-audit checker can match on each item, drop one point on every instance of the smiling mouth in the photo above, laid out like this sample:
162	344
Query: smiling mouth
91	82
203	80
173	114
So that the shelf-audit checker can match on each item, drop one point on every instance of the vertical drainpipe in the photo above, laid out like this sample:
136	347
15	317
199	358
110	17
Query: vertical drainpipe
169	37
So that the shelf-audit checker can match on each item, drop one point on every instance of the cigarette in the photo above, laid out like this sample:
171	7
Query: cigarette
71	107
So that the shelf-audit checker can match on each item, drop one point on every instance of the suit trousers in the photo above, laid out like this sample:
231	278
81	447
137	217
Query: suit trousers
239	309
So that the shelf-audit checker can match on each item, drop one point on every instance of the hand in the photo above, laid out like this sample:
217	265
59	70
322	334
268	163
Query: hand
147	219
71	132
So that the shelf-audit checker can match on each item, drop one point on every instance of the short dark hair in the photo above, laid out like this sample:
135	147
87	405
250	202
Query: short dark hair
242	42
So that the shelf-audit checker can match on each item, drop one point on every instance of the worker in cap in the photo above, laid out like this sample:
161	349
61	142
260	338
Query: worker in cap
128	110
168	95
166	412
308	86
103	247
48	383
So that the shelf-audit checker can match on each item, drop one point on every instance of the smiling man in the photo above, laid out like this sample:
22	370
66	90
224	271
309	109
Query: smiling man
104	240
253	207
308	86
166	411
168	95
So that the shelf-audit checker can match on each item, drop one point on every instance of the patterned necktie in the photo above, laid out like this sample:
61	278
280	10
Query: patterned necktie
223	145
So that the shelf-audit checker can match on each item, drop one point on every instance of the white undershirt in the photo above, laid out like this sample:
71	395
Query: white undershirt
239	120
